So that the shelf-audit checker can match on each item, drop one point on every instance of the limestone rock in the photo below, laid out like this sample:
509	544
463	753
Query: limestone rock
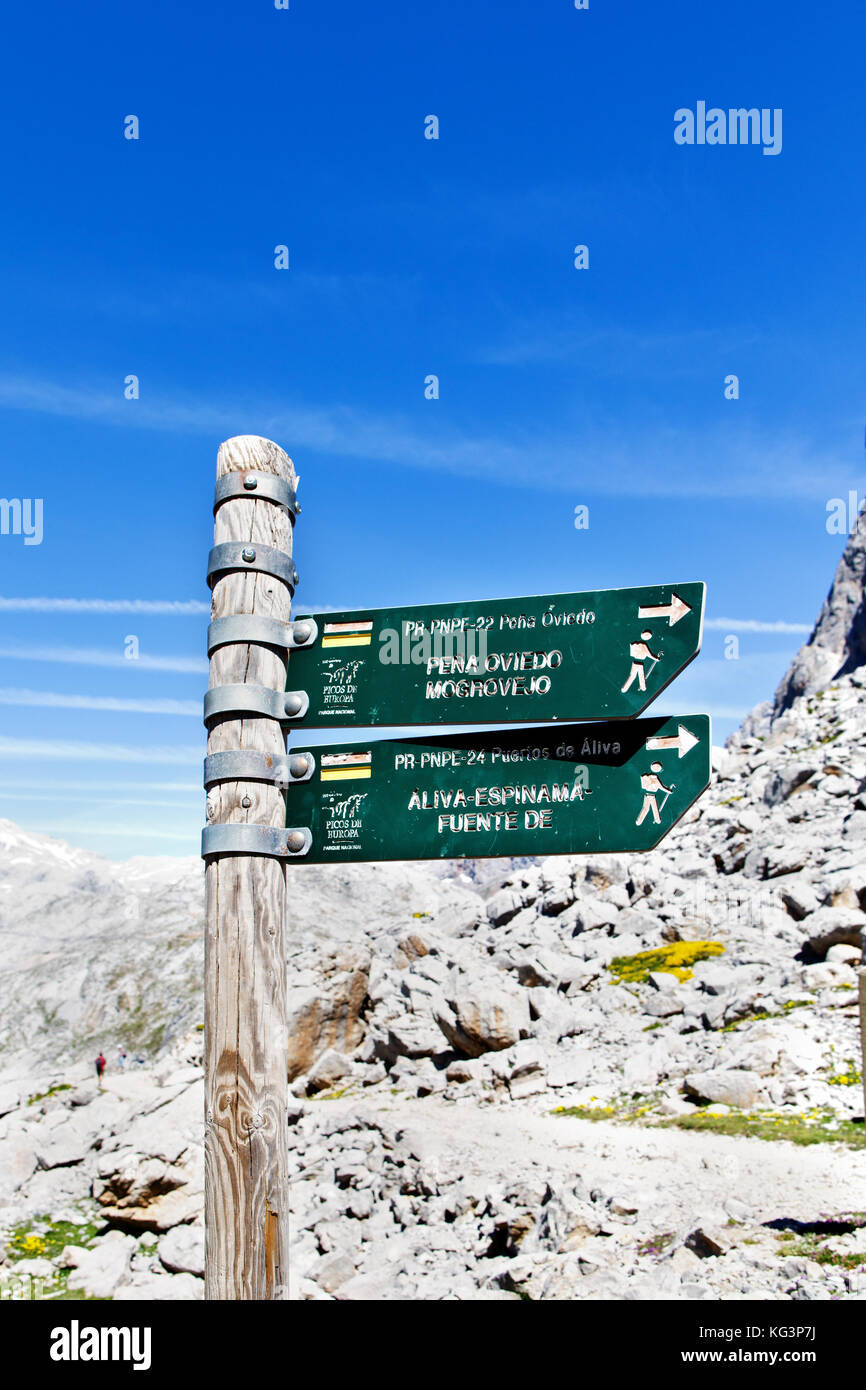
835	926
169	1288
330	1069
329	1015
181	1250
18	1163
484	1019
838	641
100	1270
736	1088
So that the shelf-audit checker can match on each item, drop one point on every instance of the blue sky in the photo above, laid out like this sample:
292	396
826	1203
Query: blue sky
410	257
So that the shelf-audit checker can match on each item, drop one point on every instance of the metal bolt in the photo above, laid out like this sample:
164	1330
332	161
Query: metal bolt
302	632
246	803
250	483
293	704
298	766
248	554
295	840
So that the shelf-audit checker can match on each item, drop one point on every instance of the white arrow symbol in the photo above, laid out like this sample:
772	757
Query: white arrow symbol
673	611
684	740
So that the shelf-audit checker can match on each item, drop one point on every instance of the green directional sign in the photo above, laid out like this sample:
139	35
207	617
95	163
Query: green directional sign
603	654
576	789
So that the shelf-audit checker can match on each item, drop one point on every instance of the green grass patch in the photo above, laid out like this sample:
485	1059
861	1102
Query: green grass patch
45	1239
588	1112
331	1095
810	1247
815	1127
623	1108
761	1014
656	1245
46	1095
851	1076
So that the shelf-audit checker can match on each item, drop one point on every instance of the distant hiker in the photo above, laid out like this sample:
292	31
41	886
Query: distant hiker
100	1067
121	1058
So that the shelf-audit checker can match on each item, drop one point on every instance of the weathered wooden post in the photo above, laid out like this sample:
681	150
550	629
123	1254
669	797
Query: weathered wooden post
861	990
245	846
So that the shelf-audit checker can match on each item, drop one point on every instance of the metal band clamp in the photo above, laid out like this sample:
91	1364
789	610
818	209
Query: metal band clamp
245	765
270	632
284	705
253	484
244	555
291	843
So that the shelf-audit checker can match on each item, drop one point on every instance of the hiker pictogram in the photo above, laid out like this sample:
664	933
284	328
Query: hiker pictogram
639	653
650	786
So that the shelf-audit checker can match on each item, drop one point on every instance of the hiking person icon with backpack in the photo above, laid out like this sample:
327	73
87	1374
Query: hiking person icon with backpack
639	653
100	1067
650	786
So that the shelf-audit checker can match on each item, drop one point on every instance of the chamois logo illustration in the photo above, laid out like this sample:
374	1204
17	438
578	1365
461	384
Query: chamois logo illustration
348	807
345	674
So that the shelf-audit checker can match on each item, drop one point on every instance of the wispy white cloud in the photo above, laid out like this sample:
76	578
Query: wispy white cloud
100	800
78	750
753	625
601	456
617	347
93	786
124	832
50	699
92	656
167	607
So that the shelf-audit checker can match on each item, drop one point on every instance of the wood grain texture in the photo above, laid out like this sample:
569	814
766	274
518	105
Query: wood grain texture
861	994
246	1036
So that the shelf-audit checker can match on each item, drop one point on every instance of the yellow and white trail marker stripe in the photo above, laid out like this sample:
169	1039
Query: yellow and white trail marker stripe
345	767
347	635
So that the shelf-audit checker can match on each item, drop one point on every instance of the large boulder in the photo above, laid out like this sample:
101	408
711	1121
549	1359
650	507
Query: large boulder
835	926
503	906
19	1164
61	1147
141	1193
331	1068
416	1035
328	1015
100	1271
484	1018
720	1087
181	1250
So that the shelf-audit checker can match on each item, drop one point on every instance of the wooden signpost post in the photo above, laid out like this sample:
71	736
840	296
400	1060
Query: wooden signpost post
567	788
246	1035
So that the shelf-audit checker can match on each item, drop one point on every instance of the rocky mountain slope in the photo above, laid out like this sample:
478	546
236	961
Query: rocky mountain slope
837	644
97	954
609	1077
